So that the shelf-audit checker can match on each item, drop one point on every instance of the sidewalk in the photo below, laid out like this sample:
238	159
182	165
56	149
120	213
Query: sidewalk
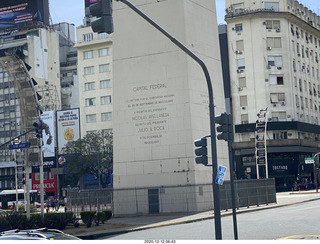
123	225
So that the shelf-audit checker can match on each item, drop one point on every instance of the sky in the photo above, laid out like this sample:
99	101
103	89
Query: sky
72	11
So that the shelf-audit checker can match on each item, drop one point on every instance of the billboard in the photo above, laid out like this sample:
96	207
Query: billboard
68	127
48	134
14	13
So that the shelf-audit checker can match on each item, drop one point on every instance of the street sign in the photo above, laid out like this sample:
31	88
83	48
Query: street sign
309	160
221	173
20	145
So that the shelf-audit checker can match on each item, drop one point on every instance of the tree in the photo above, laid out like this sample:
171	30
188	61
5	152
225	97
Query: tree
93	154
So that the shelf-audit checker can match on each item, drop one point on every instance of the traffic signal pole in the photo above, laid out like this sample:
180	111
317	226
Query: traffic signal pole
215	187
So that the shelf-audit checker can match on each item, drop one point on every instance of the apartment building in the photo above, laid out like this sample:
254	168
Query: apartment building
94	52
274	52
35	45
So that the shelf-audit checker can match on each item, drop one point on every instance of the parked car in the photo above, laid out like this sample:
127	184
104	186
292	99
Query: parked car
36	234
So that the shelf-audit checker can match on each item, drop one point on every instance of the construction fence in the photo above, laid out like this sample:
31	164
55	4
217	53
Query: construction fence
166	200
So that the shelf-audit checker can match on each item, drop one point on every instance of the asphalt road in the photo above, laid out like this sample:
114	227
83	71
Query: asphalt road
269	224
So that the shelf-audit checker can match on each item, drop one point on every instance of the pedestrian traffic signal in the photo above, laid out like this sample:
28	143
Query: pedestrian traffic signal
225	127
38	127
103	11
201	151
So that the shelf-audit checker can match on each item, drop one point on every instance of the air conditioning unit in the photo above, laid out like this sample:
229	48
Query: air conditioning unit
269	48
274	105
239	70
298	105
283	103
278	30
269	66
244	108
279	68
238	52
264	22
240	88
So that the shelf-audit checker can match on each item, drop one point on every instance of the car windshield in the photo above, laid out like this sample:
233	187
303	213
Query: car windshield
58	236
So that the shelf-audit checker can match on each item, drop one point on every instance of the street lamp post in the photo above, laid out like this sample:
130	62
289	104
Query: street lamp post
314	171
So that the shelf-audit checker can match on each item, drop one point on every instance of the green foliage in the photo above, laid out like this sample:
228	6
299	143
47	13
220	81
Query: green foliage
87	217
100	217
55	220
93	154
70	218
4	223
35	220
108	214
18	221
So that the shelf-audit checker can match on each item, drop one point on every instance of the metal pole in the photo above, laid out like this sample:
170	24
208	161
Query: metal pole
234	213
314	171
41	180
216	190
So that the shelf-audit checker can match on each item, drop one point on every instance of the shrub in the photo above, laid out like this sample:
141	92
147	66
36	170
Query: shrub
70	218
35	221
100	217
4	223
87	217
108	214
18	221
55	220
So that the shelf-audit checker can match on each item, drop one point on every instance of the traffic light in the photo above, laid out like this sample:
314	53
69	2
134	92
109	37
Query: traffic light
225	127
38	127
103	11
201	151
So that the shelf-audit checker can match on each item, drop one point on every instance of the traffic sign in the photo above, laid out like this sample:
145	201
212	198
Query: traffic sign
20	145
309	160
221	173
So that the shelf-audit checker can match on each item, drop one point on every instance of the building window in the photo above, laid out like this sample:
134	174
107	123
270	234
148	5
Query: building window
90	102
91	118
276	80
102	36
104	68
238	28
241	63
242	82
274	42
88	54
243	101
89	86
105	100
277	97
279	116
271	6
273	24
88	37
280	135
105	84
103	52
106	116
89	70
240	46
275	61
244	119
107	132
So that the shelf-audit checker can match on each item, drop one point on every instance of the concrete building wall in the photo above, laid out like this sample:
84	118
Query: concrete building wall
161	97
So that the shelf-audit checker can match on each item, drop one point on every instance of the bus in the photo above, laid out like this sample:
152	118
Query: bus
8	198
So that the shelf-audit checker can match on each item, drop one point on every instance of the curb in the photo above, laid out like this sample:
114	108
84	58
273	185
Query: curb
111	233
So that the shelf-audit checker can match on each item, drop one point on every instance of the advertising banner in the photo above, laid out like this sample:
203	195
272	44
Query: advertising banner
48	134
14	13
68	126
